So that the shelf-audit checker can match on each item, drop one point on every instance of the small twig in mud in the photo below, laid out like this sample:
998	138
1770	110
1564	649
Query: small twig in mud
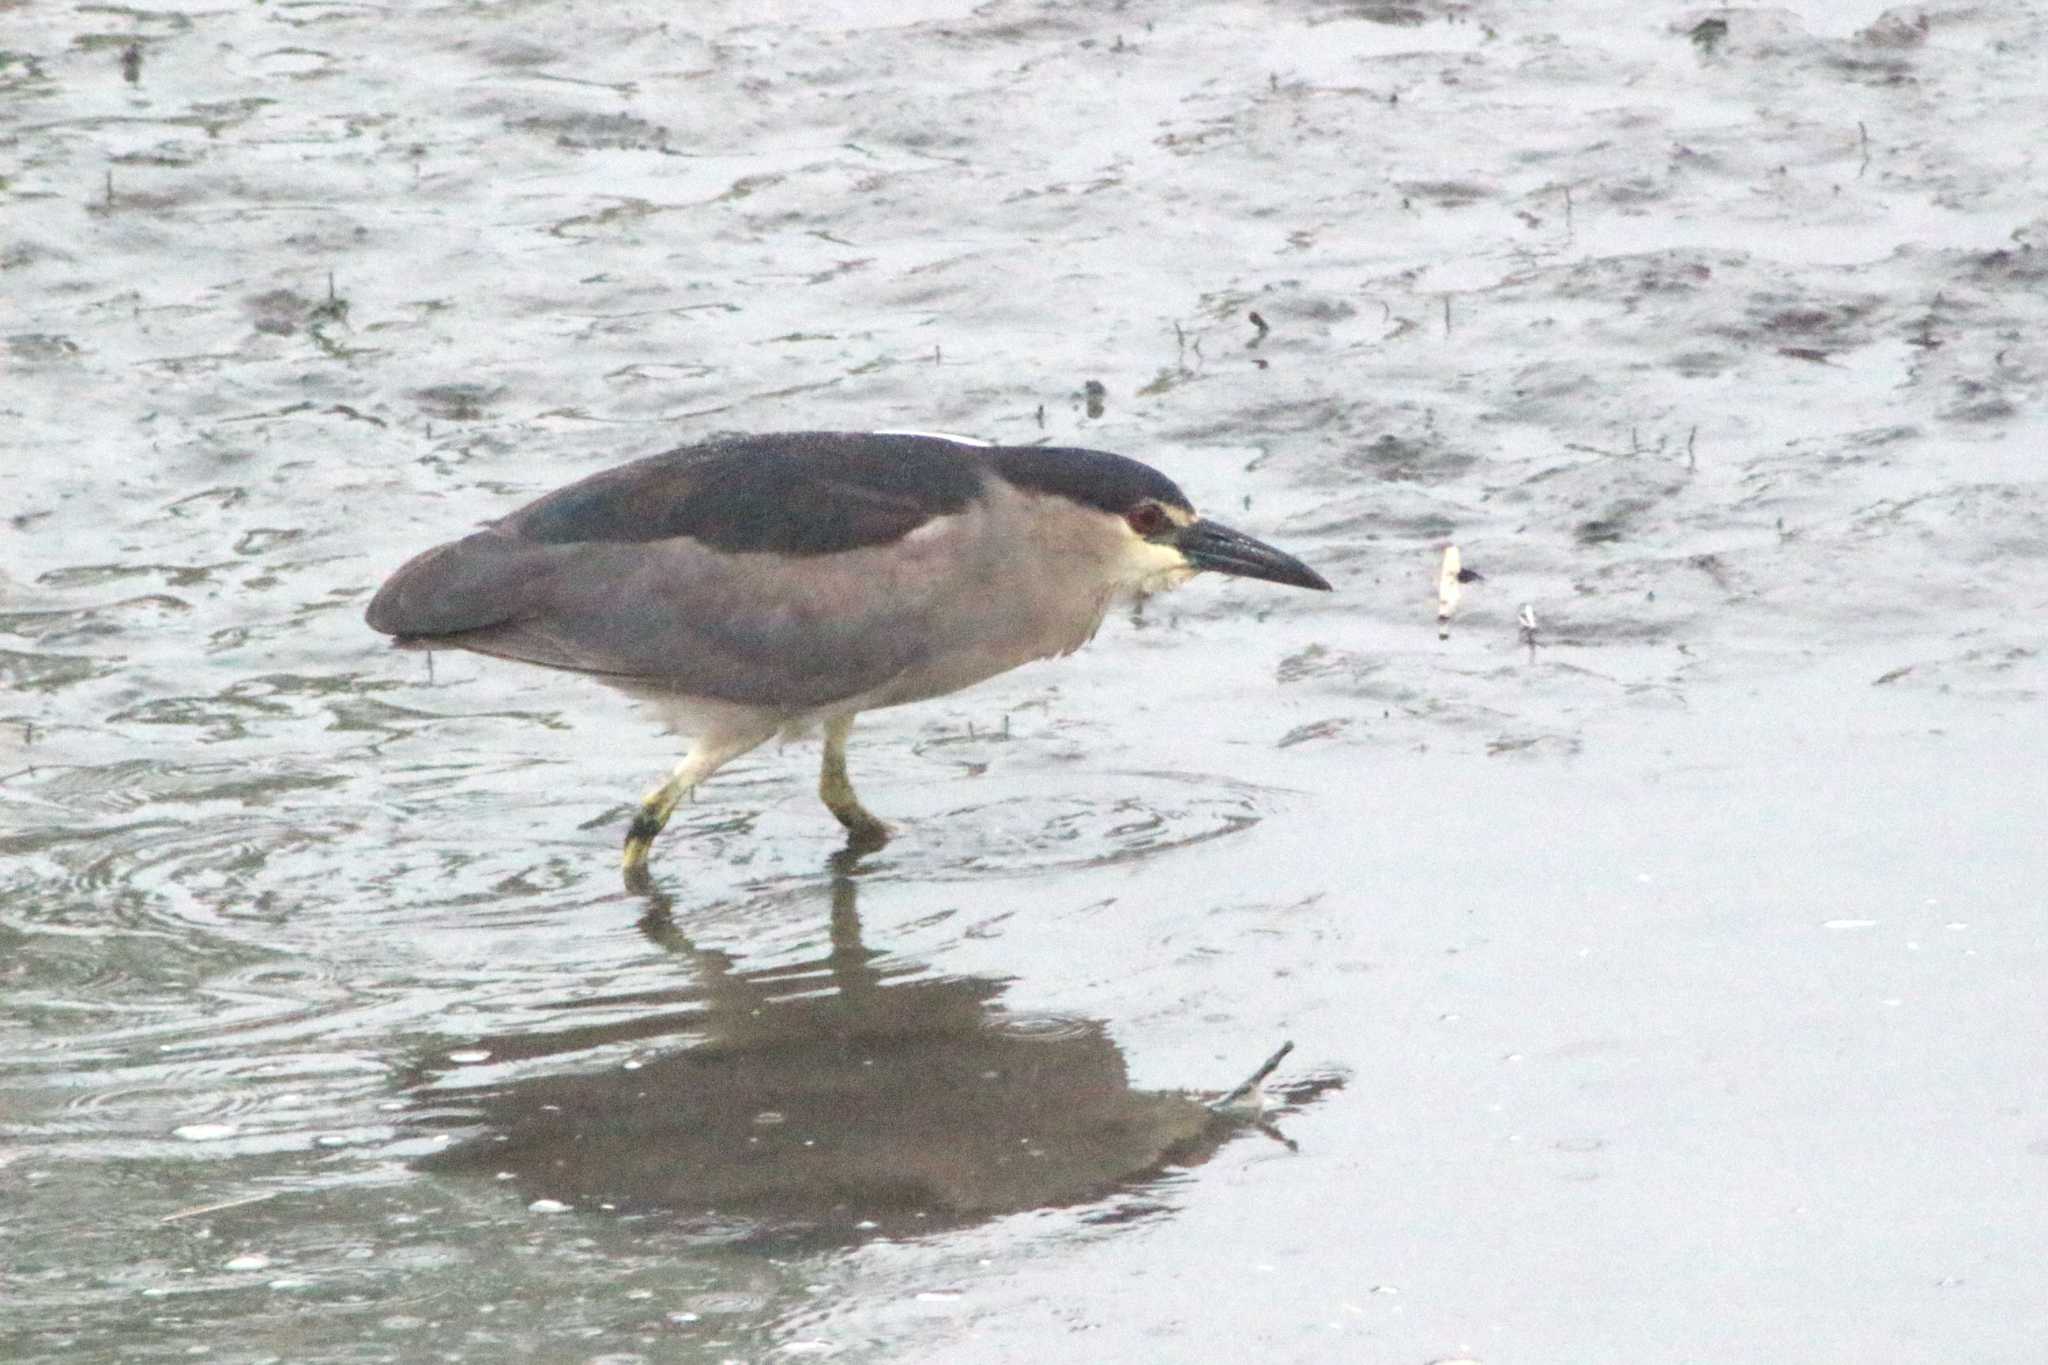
1863	141
1635	446
333	309
199	1209
1447	315
1691	460
110	188
1245	1094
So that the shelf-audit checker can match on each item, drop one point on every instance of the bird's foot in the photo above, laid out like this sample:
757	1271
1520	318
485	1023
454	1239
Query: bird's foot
864	833
648	821
640	882
865	836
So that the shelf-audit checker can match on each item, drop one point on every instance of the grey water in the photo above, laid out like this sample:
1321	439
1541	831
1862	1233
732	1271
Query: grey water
1664	979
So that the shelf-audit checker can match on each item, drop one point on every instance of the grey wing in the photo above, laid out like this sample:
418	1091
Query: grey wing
671	614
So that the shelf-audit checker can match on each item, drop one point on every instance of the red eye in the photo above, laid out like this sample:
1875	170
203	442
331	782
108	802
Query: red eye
1149	519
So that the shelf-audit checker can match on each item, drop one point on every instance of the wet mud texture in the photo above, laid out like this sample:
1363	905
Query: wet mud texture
1664	976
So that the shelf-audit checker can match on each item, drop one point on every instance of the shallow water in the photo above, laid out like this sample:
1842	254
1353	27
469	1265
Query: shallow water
1664	984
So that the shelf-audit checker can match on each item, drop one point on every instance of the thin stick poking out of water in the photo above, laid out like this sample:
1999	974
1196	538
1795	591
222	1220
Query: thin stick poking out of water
1251	1082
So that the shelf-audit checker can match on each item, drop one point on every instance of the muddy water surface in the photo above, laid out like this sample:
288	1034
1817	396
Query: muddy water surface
1664	979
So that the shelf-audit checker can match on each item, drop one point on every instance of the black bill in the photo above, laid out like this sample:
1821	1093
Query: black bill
1208	545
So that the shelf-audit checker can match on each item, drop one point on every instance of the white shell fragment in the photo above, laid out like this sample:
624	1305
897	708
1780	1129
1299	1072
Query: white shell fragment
1449	588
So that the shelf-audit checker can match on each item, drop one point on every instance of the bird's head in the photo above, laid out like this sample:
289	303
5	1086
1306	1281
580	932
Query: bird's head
1170	543
1160	540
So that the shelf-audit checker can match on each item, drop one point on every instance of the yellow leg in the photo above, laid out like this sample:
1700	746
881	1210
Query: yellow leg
863	830
706	757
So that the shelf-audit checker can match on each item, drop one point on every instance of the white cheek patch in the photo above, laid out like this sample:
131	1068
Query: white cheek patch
1147	567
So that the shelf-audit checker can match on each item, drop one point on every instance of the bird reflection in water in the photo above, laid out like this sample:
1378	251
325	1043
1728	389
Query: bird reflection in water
829	1101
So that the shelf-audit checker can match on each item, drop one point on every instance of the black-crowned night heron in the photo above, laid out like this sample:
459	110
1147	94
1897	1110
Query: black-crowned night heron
758	585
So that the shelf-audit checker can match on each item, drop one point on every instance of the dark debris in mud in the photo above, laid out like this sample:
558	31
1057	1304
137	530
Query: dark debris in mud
1715	337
